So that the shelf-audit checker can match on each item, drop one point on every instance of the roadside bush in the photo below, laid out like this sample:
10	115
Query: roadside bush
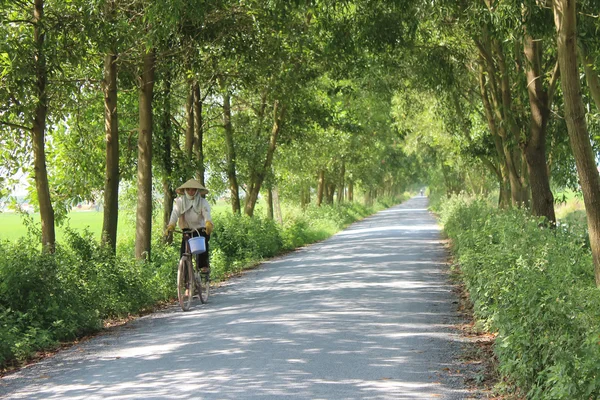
46	299
38	306
242	240
535	288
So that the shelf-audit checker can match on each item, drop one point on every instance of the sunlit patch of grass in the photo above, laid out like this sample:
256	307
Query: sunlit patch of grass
571	212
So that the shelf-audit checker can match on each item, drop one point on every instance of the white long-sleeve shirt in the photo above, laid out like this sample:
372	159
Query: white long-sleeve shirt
190	214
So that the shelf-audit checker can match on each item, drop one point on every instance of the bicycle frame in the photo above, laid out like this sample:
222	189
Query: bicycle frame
200	281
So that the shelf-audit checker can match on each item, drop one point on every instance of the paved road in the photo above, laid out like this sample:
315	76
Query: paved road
366	314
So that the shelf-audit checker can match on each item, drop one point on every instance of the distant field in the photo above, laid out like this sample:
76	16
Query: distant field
12	227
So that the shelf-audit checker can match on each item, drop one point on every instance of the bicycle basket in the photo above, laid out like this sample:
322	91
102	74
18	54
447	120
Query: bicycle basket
197	245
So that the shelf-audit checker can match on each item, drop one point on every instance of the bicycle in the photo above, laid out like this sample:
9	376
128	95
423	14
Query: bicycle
186	287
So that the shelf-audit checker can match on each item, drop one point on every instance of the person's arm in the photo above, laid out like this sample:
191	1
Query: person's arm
175	213
207	218
206	211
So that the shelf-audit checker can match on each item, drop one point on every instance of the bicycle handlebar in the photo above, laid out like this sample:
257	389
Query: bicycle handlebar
188	231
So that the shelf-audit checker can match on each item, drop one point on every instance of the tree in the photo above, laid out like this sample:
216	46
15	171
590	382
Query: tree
143	232
25	95
565	18
111	127
540	101
231	154
39	130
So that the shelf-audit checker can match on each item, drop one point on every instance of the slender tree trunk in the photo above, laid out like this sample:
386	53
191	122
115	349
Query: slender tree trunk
303	202
330	192
501	110
542	200
512	134
143	233
320	187
166	135
199	127
270	203
326	188
565	19
261	173
189	116
111	129
504	184
231	167
39	132
342	183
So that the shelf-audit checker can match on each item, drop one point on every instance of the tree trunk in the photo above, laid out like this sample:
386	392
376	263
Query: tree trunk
500	108
342	186
542	200
111	129
565	19
199	127
270	203
330	192
39	132
504	184
143	233
261	173
320	187
303	202
166	135
231	168
189	130
509	127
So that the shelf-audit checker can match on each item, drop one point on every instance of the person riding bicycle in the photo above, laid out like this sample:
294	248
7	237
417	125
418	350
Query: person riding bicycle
191	212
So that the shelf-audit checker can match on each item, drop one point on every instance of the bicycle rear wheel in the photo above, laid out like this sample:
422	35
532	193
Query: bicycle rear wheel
185	283
204	288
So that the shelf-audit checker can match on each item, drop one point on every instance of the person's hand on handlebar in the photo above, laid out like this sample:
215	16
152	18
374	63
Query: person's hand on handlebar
170	228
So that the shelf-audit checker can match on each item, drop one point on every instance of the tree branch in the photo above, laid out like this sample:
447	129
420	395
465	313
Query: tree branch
19	21
552	84
16	126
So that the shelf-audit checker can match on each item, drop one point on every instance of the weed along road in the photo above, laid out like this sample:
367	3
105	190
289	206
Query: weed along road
367	314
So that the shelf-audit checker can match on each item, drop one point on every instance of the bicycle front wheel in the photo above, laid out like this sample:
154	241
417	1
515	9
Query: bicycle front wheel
204	287
185	283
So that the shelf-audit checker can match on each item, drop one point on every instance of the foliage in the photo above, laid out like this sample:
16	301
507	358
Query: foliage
535	288
47	299
241	240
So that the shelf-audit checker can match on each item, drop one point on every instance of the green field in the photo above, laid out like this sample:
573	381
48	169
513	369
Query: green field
13	228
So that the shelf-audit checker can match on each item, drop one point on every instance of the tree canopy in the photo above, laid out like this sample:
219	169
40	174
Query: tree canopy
321	100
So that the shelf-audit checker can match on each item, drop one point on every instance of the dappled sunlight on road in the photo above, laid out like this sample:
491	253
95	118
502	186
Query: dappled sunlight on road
379	230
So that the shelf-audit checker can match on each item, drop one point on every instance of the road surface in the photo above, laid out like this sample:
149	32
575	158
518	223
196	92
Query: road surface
366	314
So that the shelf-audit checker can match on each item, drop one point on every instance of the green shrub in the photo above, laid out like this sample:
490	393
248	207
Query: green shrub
242	240
534	287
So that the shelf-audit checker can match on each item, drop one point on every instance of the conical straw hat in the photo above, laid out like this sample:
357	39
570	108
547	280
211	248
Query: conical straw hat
192	184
